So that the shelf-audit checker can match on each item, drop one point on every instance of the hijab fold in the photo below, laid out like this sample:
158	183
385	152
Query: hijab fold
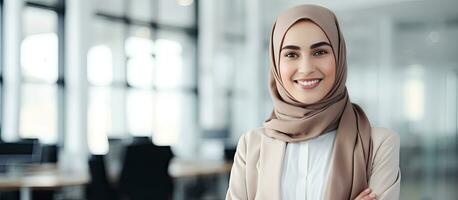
293	121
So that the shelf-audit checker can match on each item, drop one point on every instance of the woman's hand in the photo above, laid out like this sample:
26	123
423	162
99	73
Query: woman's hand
366	195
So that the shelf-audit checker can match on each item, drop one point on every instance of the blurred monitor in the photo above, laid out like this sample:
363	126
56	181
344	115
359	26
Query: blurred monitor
15	153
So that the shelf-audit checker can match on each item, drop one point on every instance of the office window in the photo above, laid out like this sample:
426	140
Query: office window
39	57
139	48
140	111
141	67
105	71
175	56
145	69
176	83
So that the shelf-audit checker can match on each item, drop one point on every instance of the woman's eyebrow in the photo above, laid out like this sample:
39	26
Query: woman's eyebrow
319	44
292	47
316	45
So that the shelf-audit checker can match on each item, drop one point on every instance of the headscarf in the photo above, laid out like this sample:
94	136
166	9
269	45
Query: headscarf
293	121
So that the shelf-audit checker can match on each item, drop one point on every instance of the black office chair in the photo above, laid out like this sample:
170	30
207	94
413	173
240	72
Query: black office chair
49	153
116	148
99	188
9	195
145	171
29	140
35	144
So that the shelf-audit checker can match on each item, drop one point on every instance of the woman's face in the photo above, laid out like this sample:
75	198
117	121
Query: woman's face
307	64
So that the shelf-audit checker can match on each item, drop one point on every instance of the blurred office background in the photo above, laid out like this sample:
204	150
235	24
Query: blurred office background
88	79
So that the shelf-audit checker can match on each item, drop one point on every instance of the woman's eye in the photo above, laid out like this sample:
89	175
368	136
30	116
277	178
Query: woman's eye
291	55
319	52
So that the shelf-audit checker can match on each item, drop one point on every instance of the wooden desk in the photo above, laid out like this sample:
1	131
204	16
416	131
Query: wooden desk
191	168
49	176
40	177
203	176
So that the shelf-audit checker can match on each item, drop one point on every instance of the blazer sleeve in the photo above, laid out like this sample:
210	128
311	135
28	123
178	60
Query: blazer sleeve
237	182
386	175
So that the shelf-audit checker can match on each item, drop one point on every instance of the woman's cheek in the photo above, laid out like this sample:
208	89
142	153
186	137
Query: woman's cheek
285	72
329	70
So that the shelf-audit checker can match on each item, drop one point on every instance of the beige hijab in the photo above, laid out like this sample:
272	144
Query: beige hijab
293	121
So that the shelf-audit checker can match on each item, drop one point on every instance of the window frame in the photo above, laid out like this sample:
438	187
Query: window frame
155	27
59	9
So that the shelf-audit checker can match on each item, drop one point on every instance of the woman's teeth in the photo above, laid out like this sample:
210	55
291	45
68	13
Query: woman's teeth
308	83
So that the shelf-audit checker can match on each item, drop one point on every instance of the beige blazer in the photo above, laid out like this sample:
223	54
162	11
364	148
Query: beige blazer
256	172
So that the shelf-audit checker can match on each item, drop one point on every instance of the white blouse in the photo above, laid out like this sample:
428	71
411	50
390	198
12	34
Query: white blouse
305	168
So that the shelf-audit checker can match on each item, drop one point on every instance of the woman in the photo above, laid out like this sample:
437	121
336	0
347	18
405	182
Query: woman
316	144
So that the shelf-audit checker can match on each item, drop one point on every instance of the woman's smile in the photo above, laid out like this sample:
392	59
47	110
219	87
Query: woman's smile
307	84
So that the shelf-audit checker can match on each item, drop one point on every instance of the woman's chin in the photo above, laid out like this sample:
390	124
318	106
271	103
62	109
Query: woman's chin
309	99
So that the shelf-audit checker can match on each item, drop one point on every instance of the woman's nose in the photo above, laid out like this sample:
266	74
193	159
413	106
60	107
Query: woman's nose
305	65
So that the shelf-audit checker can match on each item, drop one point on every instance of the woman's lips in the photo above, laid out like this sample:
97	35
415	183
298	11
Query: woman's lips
307	84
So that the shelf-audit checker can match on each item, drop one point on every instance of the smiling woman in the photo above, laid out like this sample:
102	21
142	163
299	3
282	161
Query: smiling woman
307	65
316	144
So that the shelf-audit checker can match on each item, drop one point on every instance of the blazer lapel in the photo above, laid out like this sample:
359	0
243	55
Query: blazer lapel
270	168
